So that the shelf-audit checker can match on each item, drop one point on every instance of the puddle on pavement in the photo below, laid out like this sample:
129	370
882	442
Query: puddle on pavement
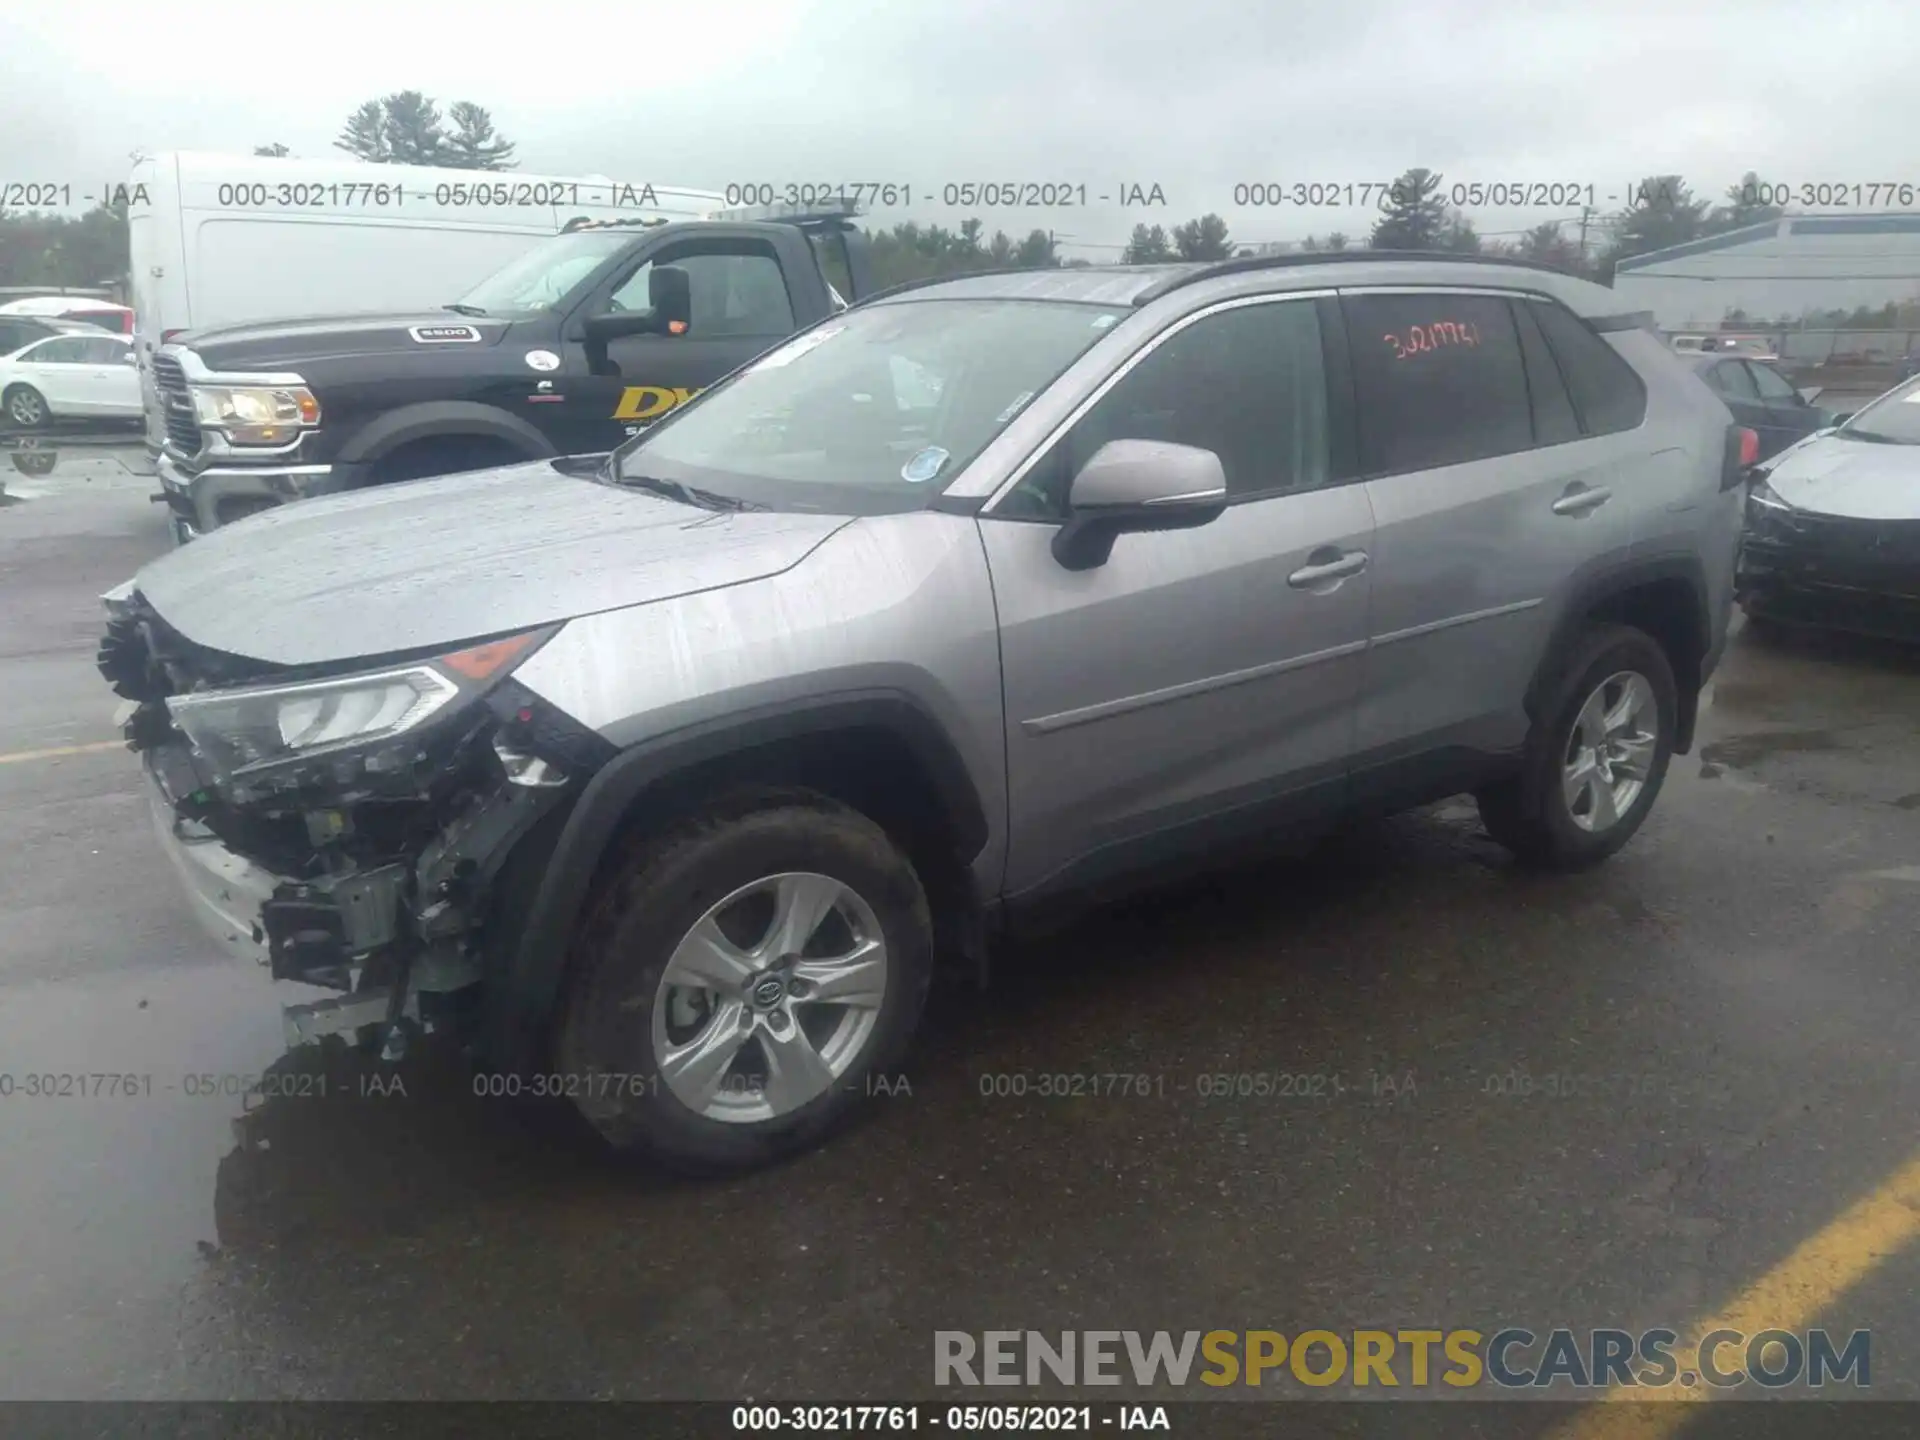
1738	752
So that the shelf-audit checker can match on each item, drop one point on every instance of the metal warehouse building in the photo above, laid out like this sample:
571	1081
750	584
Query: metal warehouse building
1782	268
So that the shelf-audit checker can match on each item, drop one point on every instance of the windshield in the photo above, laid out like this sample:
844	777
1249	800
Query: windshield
874	410
542	276
1893	418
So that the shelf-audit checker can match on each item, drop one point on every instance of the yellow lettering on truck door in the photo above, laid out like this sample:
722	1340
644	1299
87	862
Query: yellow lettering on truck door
650	402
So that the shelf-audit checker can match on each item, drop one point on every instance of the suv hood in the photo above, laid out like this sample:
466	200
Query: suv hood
267	343
428	563
1856	479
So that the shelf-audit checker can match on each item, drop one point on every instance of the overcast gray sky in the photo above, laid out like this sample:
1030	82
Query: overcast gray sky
1194	95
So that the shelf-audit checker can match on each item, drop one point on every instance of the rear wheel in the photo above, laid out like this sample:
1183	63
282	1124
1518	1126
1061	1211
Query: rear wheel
1596	757
26	407
739	979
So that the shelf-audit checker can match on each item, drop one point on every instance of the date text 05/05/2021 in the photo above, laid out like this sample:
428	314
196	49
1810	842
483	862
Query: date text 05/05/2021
960	1419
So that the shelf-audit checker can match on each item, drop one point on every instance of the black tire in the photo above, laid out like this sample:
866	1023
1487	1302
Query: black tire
442	455
24	398
660	889
1528	814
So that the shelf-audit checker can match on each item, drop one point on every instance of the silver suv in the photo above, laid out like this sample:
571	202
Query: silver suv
670	773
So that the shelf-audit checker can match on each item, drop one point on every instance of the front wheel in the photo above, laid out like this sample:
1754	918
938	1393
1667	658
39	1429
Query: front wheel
26	407
1596	757
740	978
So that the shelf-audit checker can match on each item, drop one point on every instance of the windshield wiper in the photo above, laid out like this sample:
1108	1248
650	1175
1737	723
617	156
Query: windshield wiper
1872	437
463	309
683	492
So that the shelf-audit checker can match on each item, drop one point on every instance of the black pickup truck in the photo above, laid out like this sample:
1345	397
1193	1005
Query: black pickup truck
568	350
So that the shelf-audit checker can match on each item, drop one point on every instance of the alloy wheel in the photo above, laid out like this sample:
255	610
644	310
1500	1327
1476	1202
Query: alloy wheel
26	407
1610	753
770	997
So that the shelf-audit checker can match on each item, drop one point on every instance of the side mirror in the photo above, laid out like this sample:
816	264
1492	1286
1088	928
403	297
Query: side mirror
669	310
1137	485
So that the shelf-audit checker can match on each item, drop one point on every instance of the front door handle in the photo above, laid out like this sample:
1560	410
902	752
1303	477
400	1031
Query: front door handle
1579	501
1337	566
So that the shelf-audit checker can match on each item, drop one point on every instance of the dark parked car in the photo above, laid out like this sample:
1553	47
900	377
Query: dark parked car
1761	399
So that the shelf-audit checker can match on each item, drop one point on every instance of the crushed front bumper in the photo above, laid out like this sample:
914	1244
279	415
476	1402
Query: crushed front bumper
1832	571
227	891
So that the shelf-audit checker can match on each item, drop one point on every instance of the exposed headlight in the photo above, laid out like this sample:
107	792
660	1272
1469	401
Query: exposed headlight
242	732
256	415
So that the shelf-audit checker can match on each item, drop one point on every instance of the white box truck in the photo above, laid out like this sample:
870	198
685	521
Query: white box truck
224	239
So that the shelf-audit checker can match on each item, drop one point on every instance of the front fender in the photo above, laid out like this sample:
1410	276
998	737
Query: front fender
387	433
528	968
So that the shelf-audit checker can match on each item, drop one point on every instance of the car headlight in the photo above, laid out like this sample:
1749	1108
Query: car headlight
375	716
256	415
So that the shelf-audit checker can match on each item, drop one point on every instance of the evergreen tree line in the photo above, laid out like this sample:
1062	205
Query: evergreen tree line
407	127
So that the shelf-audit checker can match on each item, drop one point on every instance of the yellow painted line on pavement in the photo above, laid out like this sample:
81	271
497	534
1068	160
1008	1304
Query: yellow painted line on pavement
18	756
1791	1296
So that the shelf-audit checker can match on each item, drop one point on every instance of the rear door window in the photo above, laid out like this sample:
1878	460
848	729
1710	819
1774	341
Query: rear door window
67	350
1772	388
1440	379
1554	422
1606	390
1730	377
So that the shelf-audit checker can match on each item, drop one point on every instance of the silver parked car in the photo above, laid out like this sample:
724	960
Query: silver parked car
1833	526
680	766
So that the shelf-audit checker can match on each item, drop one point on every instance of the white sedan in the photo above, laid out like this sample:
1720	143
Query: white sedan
73	376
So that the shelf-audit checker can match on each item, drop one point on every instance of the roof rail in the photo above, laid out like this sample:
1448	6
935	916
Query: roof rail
926	280
1246	263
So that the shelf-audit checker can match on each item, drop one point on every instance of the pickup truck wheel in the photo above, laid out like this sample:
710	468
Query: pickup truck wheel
25	407
1596	757
739	979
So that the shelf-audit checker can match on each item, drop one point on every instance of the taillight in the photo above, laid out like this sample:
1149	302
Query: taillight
166	335
1741	454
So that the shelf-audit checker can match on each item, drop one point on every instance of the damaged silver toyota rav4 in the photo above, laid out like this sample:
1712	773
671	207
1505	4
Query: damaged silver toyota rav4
666	775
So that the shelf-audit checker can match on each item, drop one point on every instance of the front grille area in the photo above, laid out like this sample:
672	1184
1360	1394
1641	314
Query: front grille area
176	405
1882	555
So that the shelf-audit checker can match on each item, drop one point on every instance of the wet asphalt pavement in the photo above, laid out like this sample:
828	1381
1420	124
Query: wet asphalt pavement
1732	1002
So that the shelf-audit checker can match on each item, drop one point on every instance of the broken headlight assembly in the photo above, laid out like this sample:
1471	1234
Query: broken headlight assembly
341	726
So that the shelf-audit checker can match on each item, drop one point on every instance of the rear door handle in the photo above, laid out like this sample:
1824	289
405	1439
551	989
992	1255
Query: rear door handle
1579	502
1338	568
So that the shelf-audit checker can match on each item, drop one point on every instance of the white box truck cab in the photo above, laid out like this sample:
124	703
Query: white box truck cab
218	240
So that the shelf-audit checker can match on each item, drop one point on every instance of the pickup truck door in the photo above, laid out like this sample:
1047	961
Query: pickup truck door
742	304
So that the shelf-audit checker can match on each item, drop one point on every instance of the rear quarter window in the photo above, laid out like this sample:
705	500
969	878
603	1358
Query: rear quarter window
1440	380
1607	391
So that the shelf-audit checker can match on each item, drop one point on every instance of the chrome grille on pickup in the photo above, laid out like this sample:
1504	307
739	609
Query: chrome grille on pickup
176	405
